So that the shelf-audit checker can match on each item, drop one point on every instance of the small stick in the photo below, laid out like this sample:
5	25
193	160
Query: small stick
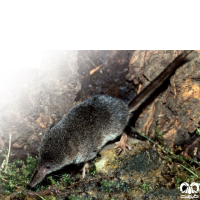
7	158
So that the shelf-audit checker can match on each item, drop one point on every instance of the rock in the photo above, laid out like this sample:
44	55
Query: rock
18	144
33	143
136	174
108	155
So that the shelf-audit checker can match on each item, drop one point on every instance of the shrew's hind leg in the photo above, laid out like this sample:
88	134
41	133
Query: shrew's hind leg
123	143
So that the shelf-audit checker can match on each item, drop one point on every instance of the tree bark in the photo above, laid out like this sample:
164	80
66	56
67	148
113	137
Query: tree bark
174	107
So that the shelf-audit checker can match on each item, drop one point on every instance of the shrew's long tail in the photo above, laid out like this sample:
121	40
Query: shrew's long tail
139	99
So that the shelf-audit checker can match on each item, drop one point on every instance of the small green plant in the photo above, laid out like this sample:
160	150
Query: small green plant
110	186
178	181
107	186
47	198
159	136
66	179
198	131
145	187
168	159
62	182
17	174
52	181
41	197
74	197
92	169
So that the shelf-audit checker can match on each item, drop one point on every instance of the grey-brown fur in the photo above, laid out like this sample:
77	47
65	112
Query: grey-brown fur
88	126
85	128
81	133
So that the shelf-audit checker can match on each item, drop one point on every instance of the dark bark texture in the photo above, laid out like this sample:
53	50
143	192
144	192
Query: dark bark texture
174	107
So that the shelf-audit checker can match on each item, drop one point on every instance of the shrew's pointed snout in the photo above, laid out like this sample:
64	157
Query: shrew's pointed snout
38	175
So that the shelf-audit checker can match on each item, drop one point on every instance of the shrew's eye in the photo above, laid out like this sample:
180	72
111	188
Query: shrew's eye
48	166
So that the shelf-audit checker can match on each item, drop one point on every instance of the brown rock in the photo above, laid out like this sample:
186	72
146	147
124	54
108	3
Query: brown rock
18	144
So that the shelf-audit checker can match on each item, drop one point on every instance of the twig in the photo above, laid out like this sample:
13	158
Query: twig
7	158
95	69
